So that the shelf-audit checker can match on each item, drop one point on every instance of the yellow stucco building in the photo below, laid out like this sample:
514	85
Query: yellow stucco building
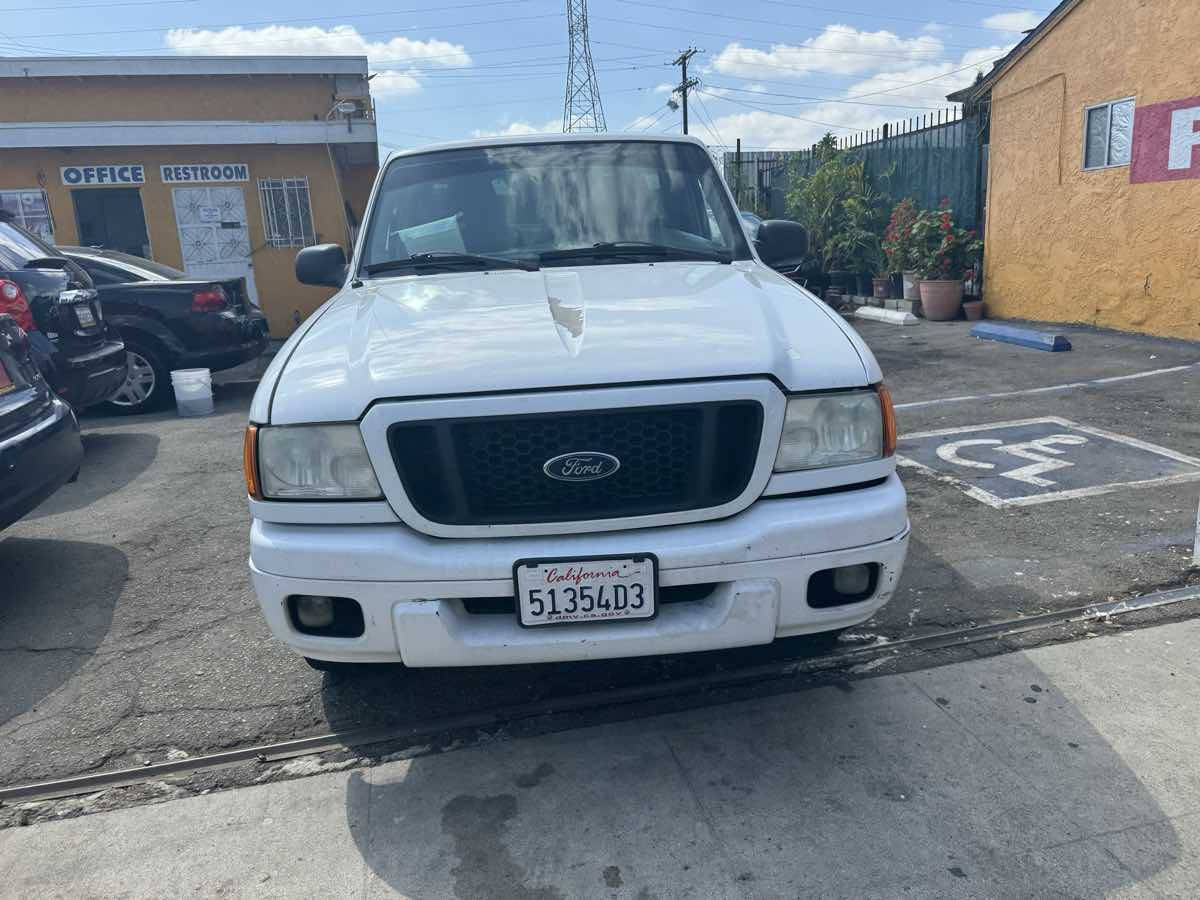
220	166
1093	198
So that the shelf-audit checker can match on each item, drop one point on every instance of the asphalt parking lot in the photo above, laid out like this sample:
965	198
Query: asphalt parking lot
129	631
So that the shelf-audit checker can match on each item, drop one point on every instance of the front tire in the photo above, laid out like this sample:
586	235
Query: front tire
148	384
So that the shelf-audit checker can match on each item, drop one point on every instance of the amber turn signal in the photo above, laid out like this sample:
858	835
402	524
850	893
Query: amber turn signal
250	461
889	419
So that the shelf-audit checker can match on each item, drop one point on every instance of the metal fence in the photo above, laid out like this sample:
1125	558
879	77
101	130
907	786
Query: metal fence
935	156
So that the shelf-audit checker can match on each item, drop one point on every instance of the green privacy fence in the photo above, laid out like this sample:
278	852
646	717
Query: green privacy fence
934	157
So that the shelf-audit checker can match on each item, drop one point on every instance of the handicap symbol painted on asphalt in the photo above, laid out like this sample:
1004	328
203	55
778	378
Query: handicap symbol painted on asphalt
1035	450
1030	461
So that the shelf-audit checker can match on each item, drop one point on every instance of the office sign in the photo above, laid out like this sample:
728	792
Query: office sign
128	173
206	174
1166	141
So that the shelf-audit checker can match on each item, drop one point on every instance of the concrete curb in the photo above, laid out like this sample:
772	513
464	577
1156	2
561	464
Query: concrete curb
890	316
1023	337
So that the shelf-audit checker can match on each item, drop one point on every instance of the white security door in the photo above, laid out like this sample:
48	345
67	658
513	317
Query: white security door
213	233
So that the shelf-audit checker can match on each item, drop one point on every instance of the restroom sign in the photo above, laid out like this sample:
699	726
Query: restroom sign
1031	461
208	173
122	173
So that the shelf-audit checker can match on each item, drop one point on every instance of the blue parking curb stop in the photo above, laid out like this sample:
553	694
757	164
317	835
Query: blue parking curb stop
1024	337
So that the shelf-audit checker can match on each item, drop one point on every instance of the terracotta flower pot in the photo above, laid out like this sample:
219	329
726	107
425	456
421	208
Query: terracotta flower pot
881	287
973	310
912	288
941	299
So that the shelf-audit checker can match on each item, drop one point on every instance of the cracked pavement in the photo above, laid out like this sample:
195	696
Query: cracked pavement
129	629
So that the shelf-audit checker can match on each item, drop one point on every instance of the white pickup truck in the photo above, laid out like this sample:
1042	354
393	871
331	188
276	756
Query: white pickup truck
561	408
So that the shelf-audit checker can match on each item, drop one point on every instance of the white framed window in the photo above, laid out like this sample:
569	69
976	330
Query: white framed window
1107	134
30	208
287	212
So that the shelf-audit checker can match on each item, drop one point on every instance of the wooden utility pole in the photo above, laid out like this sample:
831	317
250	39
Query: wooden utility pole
685	83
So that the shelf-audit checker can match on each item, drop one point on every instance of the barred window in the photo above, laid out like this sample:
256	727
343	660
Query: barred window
31	210
287	212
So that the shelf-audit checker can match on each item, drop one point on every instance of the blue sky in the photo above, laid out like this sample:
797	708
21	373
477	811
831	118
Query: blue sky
776	73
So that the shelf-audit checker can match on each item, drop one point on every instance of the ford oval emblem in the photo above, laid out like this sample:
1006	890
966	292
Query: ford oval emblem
582	465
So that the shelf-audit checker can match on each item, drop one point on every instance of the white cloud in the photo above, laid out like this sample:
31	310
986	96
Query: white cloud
664	88
1014	21
925	86
839	49
553	126
395	62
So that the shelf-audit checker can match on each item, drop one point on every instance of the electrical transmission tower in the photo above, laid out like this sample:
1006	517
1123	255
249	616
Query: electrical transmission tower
582	110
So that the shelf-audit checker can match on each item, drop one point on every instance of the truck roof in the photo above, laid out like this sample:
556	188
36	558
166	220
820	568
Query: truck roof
515	139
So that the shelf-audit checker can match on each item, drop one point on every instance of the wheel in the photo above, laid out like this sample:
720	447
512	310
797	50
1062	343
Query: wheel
148	384
324	665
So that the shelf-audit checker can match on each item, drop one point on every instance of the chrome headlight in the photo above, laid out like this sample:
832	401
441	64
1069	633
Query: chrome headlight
315	462
836	429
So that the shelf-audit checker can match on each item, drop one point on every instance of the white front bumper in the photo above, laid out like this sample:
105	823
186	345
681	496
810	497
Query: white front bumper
410	586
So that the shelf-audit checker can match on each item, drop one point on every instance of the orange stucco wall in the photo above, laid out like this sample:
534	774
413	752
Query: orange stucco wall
1073	246
284	300
259	98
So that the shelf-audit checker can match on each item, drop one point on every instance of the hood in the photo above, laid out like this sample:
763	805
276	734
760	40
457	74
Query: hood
505	330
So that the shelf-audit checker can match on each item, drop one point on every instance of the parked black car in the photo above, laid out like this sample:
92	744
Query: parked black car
39	435
53	299
170	321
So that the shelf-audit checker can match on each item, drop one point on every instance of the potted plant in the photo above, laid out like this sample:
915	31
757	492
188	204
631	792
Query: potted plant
972	305
898	246
881	285
943	251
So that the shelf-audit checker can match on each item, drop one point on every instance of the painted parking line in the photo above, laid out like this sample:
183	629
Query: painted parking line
1030	461
1071	385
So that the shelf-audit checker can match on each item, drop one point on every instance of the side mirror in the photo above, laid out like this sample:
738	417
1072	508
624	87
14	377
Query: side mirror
781	244
324	264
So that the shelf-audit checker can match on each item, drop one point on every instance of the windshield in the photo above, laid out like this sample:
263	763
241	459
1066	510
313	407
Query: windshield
526	200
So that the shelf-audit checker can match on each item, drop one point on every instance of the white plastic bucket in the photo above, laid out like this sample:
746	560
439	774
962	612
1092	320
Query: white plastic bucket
193	391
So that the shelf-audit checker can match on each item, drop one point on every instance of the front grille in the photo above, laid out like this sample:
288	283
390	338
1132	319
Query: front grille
488	471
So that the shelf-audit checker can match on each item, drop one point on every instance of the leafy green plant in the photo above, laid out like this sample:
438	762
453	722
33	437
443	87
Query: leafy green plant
842	209
942	249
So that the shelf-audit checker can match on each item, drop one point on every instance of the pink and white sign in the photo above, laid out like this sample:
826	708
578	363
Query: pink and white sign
1166	141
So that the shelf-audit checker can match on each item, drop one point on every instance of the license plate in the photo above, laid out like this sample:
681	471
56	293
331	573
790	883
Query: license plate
555	592
85	317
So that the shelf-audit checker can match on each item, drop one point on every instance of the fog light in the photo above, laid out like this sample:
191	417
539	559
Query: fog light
314	612
851	580
842	586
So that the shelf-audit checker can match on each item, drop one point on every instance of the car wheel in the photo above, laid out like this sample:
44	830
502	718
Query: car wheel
148	383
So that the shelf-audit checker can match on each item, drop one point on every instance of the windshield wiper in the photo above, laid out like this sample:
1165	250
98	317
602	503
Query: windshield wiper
610	249
441	258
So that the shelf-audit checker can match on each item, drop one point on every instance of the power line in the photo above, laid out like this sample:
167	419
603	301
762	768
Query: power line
995	5
666	109
875	15
924	57
774	112
4	9
711	125
228	44
277	22
828	29
816	99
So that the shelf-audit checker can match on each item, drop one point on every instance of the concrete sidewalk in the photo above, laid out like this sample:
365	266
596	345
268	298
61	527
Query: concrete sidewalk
1068	770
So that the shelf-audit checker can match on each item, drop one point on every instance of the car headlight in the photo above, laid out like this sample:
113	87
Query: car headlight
314	462
836	429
